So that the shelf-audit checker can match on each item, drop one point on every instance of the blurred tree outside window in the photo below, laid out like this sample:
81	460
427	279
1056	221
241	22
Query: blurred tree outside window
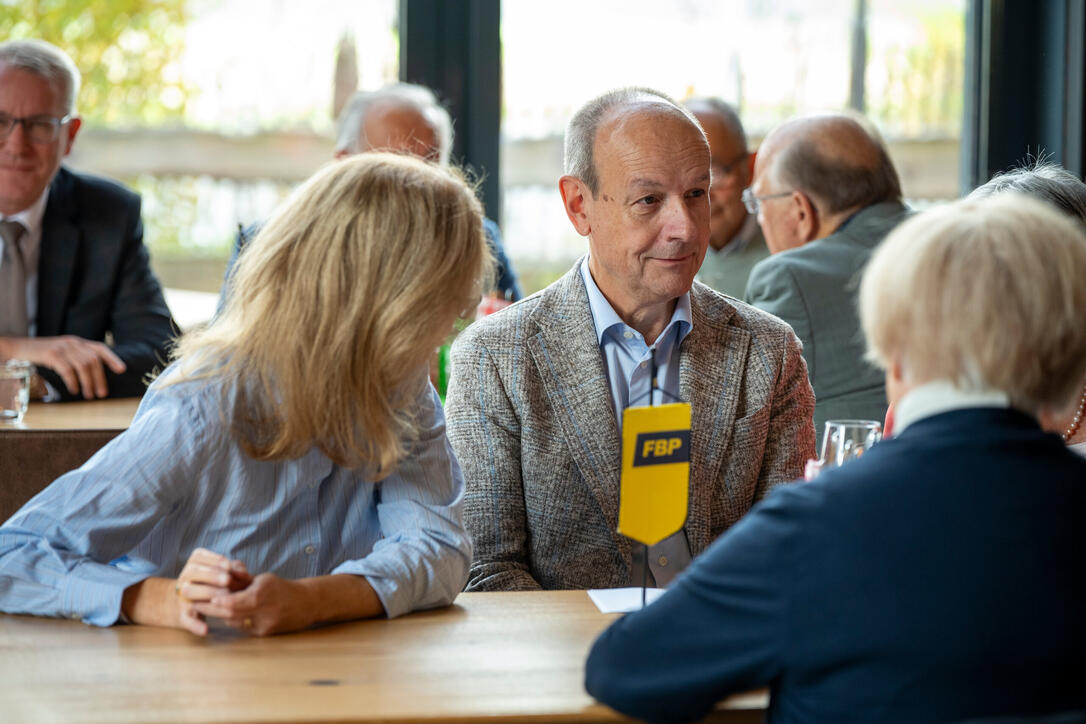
213	110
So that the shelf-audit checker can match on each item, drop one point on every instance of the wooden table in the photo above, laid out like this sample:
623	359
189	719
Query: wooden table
492	657
55	437
90	415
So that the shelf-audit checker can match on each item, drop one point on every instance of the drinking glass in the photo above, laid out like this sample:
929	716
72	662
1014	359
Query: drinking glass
14	390
847	440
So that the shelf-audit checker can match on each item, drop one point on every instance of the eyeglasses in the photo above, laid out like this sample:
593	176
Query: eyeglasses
753	203
40	129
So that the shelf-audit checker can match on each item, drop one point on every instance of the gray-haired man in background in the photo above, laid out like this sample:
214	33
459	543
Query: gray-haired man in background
826	194
736	243
73	268
406	118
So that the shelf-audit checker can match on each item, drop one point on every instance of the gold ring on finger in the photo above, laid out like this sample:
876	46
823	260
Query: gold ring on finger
248	622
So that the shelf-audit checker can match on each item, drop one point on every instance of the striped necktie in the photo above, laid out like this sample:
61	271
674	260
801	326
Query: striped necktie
13	316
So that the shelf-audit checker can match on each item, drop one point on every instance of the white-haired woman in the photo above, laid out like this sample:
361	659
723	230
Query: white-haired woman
291	467
940	576
1061	188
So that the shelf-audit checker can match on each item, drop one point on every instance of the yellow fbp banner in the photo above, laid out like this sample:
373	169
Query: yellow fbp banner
655	471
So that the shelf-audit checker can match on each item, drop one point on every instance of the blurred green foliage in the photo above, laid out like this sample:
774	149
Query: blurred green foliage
925	80
127	50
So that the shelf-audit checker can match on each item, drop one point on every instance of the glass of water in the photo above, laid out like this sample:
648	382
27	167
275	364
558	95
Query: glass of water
15	376
847	440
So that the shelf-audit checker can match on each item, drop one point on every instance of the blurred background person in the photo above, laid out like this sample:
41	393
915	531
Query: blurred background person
73	267
406	118
1055	185
736	242
826	194
291	467
938	577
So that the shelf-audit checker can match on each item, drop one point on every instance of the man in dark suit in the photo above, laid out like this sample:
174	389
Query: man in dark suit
826	193
77	295
939	578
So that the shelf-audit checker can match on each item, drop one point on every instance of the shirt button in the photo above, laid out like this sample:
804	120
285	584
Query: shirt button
310	550
75	617
628	335
644	365
662	561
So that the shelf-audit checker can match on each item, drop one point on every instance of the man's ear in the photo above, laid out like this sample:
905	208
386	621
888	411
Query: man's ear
575	197
73	128
808	221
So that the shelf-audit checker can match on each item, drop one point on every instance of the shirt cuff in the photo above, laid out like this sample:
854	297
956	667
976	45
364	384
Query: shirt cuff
94	593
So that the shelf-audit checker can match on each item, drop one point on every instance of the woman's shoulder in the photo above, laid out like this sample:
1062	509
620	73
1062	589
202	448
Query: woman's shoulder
201	400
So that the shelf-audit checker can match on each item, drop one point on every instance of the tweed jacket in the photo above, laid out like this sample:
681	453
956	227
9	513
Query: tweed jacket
531	420
94	277
814	288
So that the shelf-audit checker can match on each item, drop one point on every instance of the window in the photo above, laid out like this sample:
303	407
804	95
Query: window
770	58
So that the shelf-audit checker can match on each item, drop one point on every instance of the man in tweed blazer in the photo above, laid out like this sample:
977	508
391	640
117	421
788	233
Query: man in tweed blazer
536	388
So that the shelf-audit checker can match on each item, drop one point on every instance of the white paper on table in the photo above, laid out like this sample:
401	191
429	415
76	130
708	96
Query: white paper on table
622	600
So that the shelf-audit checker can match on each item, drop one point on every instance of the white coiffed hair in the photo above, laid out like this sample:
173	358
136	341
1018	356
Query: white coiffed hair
987	293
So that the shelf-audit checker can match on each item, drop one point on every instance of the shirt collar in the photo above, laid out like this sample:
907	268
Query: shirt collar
605	318
31	216
934	398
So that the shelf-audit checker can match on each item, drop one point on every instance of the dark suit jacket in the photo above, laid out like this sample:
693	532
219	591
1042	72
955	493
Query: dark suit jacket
813	288
532	423
941	577
94	277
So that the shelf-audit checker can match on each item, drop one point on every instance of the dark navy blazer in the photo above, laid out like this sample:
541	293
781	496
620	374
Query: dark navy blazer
94	277
941	577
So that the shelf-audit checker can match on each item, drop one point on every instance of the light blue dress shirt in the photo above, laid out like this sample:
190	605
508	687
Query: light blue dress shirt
176	480
629	364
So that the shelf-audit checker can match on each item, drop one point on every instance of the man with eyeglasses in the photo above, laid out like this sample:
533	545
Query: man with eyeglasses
736	243
826	194
73	268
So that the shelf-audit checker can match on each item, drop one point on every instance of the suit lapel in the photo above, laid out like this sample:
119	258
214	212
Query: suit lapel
60	237
567	355
712	364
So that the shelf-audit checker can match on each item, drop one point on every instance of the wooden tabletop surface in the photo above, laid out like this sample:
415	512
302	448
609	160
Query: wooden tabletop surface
492	657
89	415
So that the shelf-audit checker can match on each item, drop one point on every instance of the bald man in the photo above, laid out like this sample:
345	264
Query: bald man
538	389
736	243
825	193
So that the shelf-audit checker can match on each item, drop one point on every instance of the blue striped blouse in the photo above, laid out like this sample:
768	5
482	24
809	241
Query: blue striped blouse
176	480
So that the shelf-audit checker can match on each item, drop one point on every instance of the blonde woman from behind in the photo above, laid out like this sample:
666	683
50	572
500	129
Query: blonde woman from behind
291	467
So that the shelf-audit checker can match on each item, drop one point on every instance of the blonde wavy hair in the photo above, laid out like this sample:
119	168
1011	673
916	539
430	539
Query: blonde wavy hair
986	293
336	306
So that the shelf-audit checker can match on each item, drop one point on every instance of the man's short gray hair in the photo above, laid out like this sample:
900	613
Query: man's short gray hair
725	112
1041	180
581	130
353	118
45	60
